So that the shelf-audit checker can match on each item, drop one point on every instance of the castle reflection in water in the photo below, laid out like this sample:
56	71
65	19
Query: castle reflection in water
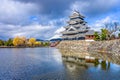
83	64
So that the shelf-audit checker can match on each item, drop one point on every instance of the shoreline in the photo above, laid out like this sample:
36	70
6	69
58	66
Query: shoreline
21	47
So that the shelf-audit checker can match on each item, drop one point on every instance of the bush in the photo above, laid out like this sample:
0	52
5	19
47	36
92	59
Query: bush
1	42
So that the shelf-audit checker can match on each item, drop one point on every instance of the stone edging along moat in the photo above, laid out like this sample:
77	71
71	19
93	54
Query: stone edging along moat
83	48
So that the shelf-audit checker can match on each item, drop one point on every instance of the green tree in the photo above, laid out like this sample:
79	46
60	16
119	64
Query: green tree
97	36
119	35
46	44
9	42
104	34
1	42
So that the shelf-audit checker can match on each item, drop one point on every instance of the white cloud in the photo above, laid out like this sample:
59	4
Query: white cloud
99	24
59	30
57	33
33	30
94	7
16	12
55	36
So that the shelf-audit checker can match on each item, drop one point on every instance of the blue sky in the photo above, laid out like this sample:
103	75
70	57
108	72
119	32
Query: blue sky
44	19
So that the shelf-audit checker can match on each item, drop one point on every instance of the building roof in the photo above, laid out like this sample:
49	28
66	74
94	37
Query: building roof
76	14
69	32
74	32
73	36
76	21
77	25
90	32
72	22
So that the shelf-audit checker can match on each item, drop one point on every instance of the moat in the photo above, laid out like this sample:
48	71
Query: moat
47	64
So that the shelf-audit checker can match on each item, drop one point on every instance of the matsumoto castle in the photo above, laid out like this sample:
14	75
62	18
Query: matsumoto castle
77	28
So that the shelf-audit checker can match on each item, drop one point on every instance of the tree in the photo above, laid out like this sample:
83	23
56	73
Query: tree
104	34
32	41
1	42
23	40
9	42
119	35
112	27
46	44
16	41
37	43
97	36
113	36
19	41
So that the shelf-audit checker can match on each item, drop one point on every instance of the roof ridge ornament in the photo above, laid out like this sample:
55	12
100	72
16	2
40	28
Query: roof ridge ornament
76	11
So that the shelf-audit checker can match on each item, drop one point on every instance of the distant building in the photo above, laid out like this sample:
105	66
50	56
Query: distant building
77	28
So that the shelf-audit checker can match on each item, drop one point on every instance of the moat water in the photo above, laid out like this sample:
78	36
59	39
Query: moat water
47	64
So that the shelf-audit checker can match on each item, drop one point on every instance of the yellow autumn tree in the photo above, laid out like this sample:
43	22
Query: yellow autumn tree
19	41
16	41
37	43
24	41
32	41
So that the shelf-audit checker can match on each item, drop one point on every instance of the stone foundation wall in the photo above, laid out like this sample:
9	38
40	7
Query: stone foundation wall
112	46
74	48
86	48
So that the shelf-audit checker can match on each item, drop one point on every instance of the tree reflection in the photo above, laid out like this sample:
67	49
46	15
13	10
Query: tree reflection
108	65
96	63
105	65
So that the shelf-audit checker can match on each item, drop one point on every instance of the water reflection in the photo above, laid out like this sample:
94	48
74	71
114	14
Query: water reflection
96	63
111	57
25	63
104	65
98	70
47	64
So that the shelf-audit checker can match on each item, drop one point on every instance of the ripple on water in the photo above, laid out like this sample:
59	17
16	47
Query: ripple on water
47	64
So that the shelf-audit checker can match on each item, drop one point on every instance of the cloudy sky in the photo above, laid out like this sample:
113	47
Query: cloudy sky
44	19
